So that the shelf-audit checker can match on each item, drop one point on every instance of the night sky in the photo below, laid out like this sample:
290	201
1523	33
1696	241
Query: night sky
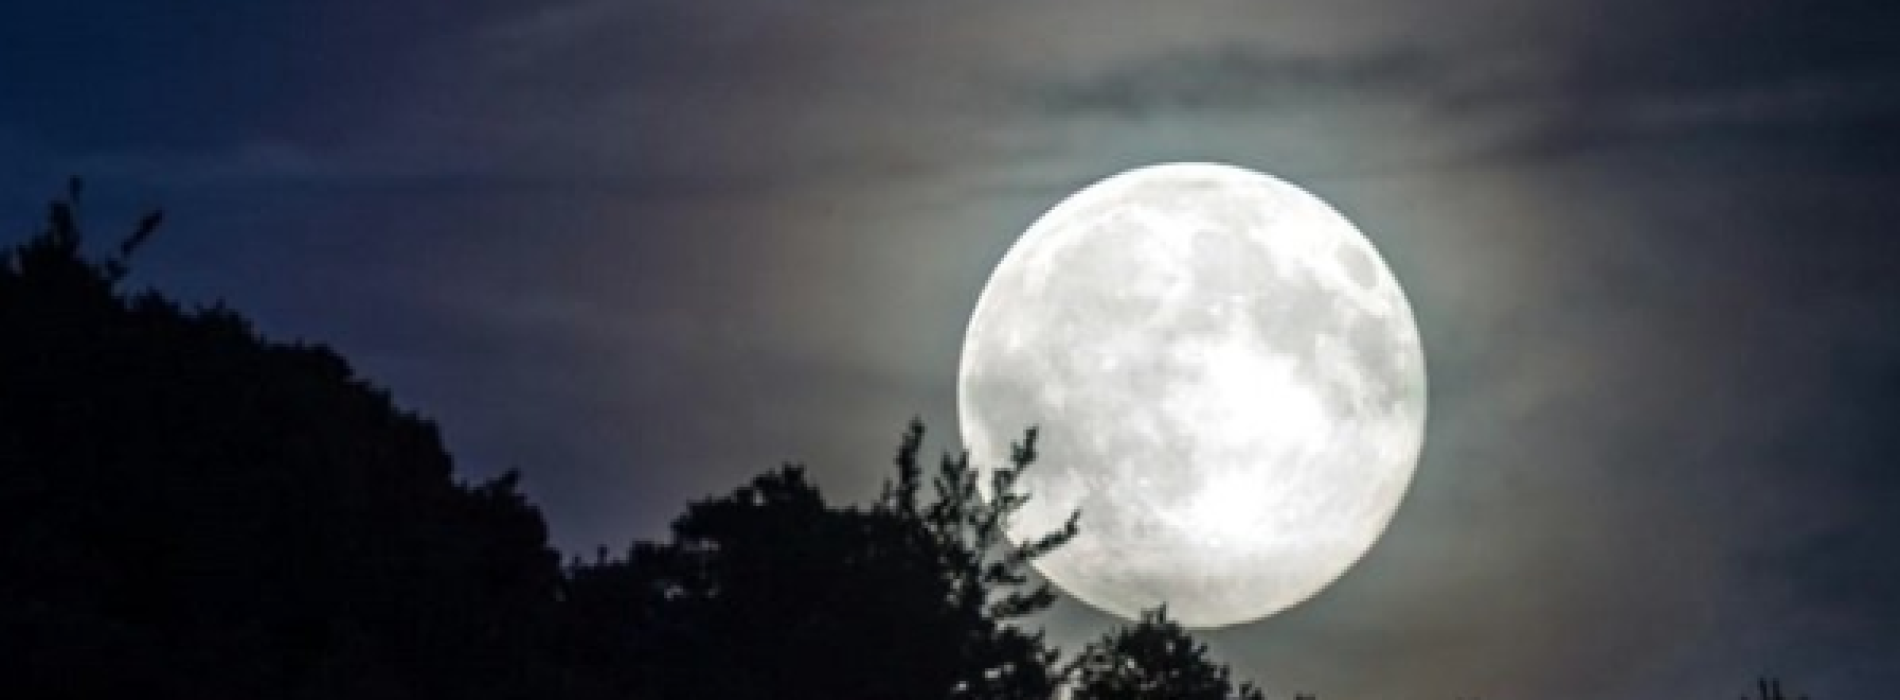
645	250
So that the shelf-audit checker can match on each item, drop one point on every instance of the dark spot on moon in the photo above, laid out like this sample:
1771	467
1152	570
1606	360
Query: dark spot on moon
1358	265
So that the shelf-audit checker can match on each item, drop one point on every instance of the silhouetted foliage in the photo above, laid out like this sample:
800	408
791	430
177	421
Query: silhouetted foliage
771	588
187	510
1154	658
190	510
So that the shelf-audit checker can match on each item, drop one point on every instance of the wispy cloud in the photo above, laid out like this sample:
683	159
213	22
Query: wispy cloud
1236	77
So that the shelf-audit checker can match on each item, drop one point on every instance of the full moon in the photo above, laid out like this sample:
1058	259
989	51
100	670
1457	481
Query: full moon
1229	386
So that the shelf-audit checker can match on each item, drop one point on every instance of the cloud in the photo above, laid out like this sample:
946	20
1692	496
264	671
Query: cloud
1234	77
1756	75
1627	76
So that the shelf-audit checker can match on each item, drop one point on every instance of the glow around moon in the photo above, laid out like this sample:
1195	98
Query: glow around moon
1229	383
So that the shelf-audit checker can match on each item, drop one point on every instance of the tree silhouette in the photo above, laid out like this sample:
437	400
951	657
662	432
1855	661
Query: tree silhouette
188	510
1154	658
772	592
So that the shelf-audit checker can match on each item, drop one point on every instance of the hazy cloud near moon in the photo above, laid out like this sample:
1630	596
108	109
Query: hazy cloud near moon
644	250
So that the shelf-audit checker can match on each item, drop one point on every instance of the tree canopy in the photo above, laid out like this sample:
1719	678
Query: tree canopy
771	588
1155	658
188	509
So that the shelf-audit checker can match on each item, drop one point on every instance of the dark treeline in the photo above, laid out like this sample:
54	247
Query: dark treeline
188	510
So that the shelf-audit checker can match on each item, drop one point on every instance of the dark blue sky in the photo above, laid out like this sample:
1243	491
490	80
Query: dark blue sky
643	250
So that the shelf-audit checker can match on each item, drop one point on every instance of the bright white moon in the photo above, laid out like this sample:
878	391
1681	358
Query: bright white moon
1229	384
